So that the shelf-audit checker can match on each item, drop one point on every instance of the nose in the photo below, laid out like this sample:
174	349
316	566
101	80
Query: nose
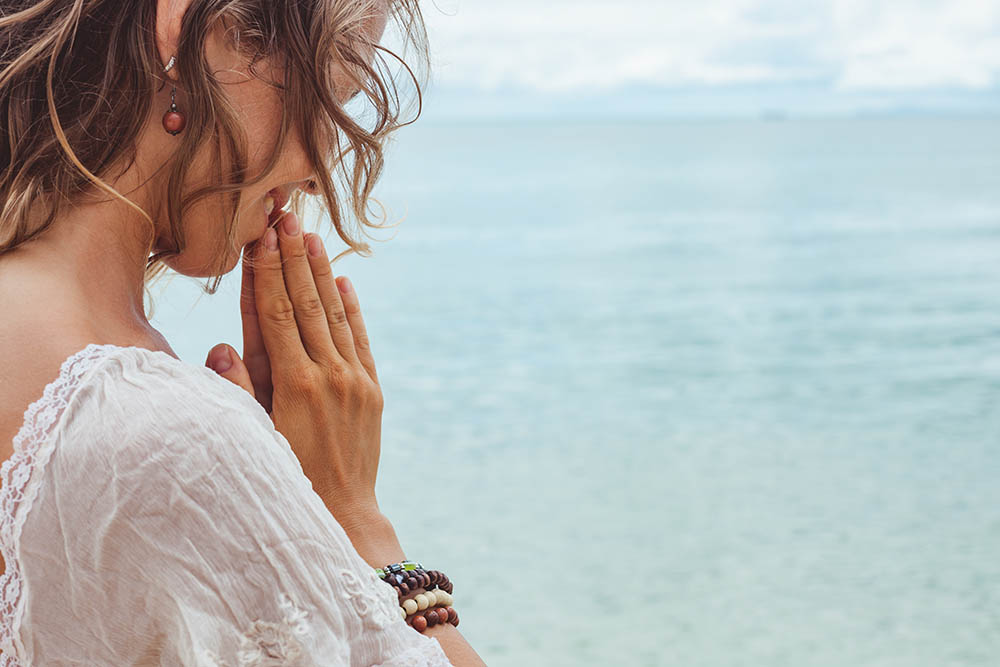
283	193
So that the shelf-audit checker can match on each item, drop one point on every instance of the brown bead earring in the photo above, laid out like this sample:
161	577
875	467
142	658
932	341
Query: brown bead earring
173	119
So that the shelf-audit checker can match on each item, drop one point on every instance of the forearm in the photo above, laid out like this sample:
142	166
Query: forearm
375	539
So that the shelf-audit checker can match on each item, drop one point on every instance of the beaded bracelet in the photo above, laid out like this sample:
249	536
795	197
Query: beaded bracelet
428	580
431	617
425	609
398	567
426	600
409	575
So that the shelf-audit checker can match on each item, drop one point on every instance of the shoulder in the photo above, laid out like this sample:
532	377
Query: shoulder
155	432
138	372
136	402
143	387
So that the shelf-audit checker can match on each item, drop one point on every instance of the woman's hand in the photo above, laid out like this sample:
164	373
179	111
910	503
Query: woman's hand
309	363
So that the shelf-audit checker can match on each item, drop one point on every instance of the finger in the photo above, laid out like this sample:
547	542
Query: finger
223	360
336	317
309	311
275	312
254	352
362	346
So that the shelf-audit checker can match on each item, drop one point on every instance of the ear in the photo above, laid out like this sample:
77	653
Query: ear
169	14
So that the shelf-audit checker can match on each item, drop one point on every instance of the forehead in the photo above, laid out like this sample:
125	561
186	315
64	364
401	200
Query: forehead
367	31
372	27
374	21
379	19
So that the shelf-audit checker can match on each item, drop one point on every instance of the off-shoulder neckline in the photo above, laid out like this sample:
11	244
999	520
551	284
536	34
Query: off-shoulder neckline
18	485
57	387
38	419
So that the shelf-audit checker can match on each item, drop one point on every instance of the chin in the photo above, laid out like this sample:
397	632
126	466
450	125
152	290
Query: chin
200	262
199	265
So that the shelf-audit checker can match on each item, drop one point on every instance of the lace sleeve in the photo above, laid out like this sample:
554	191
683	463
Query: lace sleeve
174	526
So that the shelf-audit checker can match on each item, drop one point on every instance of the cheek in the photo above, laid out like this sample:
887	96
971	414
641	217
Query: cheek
259	113
293	164
206	240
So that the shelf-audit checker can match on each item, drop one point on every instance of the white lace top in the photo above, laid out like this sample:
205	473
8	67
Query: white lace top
152	515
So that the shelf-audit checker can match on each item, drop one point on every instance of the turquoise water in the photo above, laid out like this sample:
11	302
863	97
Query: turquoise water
719	393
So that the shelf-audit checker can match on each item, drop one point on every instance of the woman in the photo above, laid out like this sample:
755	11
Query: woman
155	512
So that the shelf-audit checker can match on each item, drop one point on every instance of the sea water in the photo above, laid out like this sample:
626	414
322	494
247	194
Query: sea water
689	393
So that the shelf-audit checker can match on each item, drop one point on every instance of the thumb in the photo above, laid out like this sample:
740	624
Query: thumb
223	360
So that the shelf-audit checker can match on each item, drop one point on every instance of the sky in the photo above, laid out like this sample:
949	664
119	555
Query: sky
713	57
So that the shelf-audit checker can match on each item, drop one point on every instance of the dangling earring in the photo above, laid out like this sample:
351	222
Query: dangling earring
173	120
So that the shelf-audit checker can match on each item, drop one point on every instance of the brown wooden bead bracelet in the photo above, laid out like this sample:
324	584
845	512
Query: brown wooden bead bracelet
425	609
427	618
405	581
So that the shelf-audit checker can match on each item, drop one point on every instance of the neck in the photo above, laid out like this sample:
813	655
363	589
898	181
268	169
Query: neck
87	271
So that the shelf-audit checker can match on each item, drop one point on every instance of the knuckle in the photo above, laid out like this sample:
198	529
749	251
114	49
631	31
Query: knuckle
322	271
352	307
279	310
362	343
338	376
309	303
296	251
337	317
302	382
248	305
374	396
353	387
266	271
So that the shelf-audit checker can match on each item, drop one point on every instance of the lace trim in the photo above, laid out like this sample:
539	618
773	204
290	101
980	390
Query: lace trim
263	644
18	489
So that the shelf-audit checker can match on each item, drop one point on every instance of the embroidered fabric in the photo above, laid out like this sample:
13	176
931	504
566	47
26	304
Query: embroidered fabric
16	494
274	644
266	644
373	608
200	542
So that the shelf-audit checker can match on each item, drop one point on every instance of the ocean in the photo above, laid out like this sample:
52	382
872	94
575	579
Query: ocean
704	393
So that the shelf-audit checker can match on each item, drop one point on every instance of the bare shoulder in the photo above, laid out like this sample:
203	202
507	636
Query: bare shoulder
29	363
40	328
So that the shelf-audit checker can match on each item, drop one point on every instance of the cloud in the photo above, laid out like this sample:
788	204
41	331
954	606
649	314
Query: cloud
589	45
918	44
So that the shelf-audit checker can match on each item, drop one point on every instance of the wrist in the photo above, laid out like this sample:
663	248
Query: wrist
374	538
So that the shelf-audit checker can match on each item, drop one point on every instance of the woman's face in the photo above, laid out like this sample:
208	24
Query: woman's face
259	109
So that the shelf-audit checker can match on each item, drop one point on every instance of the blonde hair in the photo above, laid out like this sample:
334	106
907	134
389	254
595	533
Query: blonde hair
77	79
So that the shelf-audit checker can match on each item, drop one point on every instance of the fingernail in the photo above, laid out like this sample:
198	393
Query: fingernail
344	284
315	245
271	239
269	204
290	224
219	360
